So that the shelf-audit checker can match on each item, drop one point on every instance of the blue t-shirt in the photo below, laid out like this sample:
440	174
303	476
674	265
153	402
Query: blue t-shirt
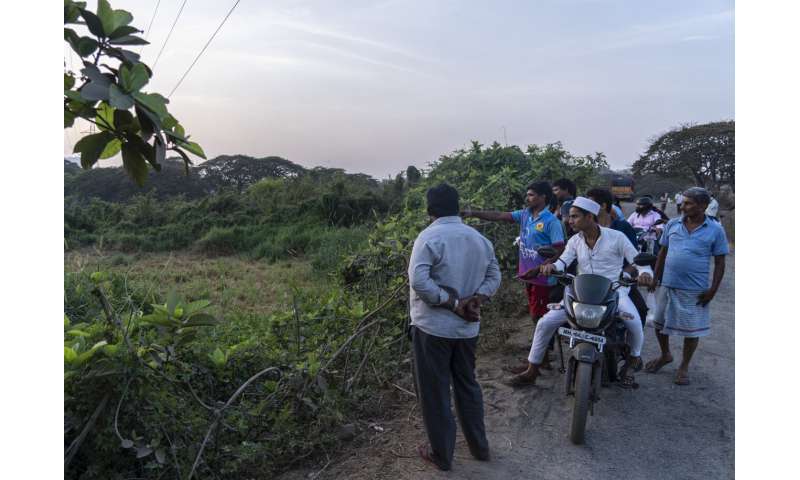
689	256
535	233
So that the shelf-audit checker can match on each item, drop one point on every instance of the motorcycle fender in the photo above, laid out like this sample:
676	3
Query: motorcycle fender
585	352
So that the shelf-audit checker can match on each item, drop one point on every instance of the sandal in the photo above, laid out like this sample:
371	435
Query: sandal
635	365
522	380
427	454
654	366
681	378
627	382
516	370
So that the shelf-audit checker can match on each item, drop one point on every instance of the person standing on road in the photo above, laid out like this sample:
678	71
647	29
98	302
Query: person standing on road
713	209
601	251
538	227
452	270
688	243
678	202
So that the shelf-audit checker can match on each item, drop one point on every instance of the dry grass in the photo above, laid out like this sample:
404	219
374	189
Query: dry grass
232	284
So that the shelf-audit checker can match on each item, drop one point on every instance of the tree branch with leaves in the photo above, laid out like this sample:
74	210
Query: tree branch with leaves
108	93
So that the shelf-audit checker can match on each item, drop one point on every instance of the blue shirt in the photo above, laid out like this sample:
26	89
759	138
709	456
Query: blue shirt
689	256
544	230
450	254
618	211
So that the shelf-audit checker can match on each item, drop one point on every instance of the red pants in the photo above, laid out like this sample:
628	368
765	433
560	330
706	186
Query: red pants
538	297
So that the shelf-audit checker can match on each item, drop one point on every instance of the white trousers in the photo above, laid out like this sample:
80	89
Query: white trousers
553	319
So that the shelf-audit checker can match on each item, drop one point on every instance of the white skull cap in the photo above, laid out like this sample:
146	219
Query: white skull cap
589	205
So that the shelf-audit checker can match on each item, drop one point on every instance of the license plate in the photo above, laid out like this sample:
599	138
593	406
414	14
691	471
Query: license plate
580	335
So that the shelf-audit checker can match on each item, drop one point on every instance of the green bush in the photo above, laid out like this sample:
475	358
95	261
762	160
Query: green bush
221	241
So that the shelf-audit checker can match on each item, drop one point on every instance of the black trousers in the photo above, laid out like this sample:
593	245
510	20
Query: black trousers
438	362
639	302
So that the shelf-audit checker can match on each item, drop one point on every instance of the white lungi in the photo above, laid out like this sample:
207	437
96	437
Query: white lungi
553	319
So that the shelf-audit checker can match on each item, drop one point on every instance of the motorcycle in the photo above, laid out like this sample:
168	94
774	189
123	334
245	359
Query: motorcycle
647	239
597	338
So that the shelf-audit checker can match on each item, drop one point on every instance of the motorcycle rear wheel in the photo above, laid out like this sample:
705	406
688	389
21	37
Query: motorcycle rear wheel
580	410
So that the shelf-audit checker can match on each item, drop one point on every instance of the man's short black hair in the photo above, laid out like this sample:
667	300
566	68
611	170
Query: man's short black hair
602	196
442	201
698	194
566	184
542	188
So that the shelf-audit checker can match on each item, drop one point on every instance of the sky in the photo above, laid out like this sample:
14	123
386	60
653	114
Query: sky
373	87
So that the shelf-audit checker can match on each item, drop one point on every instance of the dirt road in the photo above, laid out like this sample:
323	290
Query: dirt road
660	430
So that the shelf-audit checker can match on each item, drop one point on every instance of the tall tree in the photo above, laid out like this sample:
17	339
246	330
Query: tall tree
109	87
705	152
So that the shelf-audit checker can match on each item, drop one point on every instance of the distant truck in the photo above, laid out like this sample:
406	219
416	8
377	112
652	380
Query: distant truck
622	187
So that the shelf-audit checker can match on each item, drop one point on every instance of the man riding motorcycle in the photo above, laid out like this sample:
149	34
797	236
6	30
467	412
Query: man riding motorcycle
648	220
601	251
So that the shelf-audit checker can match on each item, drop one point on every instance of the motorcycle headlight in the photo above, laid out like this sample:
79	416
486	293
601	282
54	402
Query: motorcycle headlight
588	316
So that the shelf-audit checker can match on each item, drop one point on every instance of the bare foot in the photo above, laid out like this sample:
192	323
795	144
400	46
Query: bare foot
654	366
525	379
682	377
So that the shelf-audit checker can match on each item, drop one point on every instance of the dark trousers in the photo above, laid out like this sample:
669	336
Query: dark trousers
639	302
437	362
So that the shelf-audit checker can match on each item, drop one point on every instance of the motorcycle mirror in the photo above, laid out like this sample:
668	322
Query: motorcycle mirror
644	259
547	252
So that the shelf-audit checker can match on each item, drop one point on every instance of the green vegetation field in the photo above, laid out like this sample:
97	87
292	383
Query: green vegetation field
240	332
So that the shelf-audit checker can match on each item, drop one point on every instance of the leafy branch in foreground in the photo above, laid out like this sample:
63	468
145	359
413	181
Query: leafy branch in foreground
109	87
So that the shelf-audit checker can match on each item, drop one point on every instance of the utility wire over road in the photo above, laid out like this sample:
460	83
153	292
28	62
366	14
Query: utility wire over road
204	49
169	34
147	33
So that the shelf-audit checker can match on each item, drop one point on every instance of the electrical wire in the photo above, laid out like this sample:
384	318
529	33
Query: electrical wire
155	11
169	34
204	49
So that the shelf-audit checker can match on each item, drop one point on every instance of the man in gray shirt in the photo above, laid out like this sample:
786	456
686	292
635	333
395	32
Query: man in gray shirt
452	270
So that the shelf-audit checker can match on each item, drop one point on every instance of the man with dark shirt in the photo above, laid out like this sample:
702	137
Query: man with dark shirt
605	219
565	191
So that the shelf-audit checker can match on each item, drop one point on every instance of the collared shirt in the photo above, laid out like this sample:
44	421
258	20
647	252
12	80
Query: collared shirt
606	258
534	233
644	221
689	256
451	254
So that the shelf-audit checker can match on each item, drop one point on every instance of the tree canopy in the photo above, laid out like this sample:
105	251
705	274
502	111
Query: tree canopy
704	152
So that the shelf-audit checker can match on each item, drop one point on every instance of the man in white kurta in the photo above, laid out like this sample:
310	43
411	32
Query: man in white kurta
600	251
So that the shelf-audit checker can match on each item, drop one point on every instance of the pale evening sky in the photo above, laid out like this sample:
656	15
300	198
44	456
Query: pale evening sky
373	87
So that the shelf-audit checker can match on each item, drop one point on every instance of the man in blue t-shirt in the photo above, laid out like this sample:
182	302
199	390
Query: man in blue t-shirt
538	227
687	245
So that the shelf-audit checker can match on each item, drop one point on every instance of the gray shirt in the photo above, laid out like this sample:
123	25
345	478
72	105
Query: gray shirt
449	253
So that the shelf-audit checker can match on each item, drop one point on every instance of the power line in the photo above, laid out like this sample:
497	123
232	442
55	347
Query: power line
169	34
151	25
204	48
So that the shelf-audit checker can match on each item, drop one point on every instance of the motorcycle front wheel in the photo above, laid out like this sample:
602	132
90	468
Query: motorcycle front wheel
580	410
